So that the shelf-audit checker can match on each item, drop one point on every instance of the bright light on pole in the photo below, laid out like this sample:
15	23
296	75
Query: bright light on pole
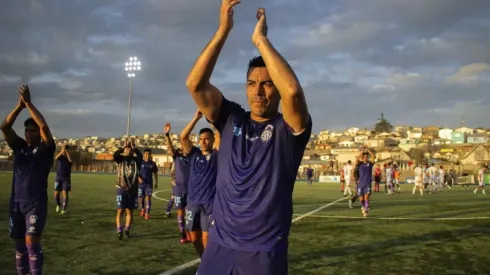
131	66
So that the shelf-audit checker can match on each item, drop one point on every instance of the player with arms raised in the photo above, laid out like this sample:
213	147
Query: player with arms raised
201	184
33	159
365	179
260	153
181	170
148	180
128	160
62	183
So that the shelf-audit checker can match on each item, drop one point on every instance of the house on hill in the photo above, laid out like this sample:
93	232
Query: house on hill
479	154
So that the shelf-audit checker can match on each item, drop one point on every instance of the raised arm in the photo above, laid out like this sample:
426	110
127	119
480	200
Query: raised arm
68	156
166	131
8	132
46	135
117	155
60	153
207	97
184	136
293	102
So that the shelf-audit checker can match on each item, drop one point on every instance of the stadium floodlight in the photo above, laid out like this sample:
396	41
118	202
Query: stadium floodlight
131	66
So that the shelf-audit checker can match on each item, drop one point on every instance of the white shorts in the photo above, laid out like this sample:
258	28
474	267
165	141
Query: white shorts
481	183
348	181
419	183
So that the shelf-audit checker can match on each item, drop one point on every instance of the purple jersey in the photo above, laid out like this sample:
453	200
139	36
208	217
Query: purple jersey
258	164
365	174
32	165
182	168
147	169
202	177
63	168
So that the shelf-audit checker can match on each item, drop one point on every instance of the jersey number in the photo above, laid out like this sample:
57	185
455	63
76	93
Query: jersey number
188	216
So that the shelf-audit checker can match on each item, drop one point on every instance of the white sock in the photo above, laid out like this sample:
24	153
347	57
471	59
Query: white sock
414	190
421	191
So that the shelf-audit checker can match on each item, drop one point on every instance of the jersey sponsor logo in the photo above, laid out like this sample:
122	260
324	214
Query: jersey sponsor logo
267	134
31	229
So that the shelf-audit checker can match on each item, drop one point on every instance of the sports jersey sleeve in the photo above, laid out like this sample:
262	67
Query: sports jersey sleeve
228	110
300	140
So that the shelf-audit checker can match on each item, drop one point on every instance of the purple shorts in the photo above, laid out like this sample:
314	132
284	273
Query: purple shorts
126	199
27	219
62	185
198	217
145	190
221	260
363	190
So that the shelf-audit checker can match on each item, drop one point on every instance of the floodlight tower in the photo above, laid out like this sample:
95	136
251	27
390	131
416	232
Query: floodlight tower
132	66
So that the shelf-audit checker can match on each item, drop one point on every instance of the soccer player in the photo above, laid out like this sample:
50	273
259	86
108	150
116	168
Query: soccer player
260	153
365	179
481	182
426	178
377	177
148	180
419	180
128	160
389	177
348	171
62	182
355	176
201	183
309	175
33	159
181	165
432	171
342	179
442	177
396	178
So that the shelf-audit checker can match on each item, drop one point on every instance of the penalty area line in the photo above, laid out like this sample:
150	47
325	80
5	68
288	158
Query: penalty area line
396	218
183	267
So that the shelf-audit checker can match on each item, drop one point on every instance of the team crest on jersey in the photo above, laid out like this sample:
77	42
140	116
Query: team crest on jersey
267	133
33	219
237	131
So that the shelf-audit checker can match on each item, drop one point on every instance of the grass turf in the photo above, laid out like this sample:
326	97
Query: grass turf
401	236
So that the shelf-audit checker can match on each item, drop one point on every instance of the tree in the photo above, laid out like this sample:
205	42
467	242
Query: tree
383	125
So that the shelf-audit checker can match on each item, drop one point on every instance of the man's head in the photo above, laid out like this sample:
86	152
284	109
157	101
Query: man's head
206	139
262	95
364	158
127	149
147	154
31	132
349	162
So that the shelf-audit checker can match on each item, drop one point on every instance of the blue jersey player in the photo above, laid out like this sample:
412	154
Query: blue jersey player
181	166
148	180
201	183
128	160
260	152
33	159
62	183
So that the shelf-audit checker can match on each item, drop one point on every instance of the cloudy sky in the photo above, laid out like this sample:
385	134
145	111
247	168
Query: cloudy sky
418	61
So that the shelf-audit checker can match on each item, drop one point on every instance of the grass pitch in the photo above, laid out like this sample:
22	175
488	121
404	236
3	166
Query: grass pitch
444	233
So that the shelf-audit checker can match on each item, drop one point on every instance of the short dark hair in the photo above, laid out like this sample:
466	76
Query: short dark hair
256	62
206	130
147	150
349	162
30	122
